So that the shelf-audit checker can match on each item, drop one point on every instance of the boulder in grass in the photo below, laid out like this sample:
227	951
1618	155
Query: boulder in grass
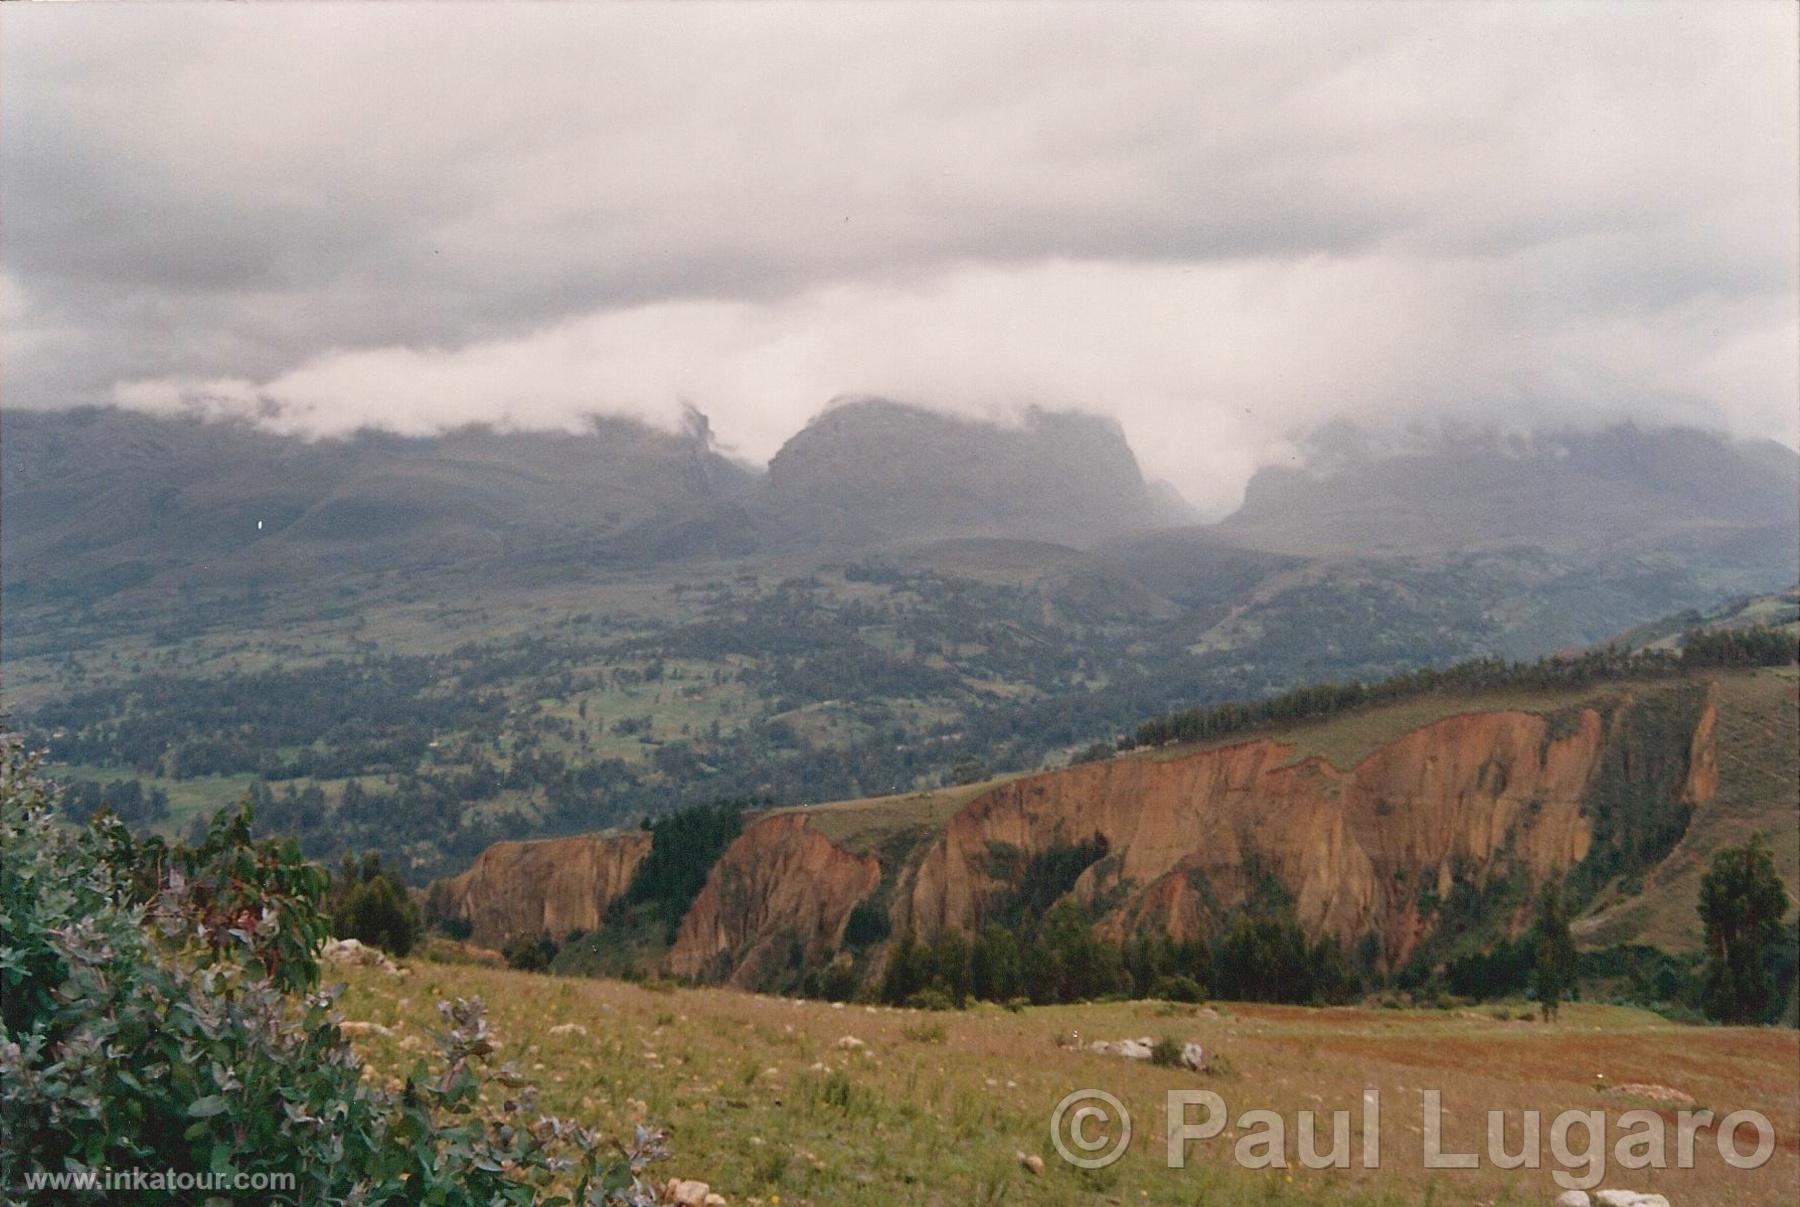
1130	1049
355	951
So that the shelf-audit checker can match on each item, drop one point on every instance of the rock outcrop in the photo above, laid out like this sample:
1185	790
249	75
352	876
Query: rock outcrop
1461	817
781	886
1464	801
551	886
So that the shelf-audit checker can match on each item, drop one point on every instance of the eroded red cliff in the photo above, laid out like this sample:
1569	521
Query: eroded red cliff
1359	851
781	889
551	886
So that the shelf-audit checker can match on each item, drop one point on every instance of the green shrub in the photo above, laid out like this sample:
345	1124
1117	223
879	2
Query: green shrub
931	998
923	1033
1165	1053
160	1011
868	924
530	953
1178	989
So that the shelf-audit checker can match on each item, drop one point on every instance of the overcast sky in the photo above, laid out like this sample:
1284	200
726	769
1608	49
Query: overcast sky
1223	225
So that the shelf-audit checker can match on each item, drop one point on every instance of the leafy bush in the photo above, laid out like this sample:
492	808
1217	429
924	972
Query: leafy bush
161	1011
930	999
1178	989
530	953
868	924
1165	1053
923	1033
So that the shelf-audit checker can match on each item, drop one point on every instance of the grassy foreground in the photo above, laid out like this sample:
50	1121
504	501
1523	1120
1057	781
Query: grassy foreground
767	1102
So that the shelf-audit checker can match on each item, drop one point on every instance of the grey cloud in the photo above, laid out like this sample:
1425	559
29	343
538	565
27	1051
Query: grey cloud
1388	210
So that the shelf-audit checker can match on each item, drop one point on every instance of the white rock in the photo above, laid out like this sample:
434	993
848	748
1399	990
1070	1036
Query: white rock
1031	1161
688	1193
850	1043
1611	1197
568	1029
1573	1198
355	951
1193	1056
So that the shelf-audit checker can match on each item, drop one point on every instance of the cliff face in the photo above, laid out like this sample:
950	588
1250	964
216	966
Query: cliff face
551	886
1464	816
781	886
1465	801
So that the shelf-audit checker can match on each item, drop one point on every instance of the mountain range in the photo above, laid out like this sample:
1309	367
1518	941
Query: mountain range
97	500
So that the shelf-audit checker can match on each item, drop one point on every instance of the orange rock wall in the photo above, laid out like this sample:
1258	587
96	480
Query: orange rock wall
550	886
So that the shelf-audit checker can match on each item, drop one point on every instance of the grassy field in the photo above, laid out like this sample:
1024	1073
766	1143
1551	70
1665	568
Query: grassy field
1344	740
767	1101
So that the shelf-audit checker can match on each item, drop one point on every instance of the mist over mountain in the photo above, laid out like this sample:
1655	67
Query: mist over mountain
99	500
1621	489
887	469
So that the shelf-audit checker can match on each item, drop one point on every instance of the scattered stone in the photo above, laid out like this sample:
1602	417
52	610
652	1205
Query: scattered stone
1628	1198
1573	1198
1033	1163
687	1193
850	1043
1656	1093
714	1199
569	1029
1193	1056
1130	1049
358	1029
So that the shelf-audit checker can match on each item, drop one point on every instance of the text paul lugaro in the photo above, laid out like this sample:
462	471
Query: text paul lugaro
1580	1142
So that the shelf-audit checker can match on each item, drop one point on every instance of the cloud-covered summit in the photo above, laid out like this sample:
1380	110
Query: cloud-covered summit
1220	224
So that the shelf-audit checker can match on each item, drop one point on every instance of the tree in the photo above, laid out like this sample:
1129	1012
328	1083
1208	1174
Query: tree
1742	902
1554	973
368	903
997	971
967	770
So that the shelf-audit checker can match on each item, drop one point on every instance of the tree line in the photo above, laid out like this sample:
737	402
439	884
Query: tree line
1745	647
